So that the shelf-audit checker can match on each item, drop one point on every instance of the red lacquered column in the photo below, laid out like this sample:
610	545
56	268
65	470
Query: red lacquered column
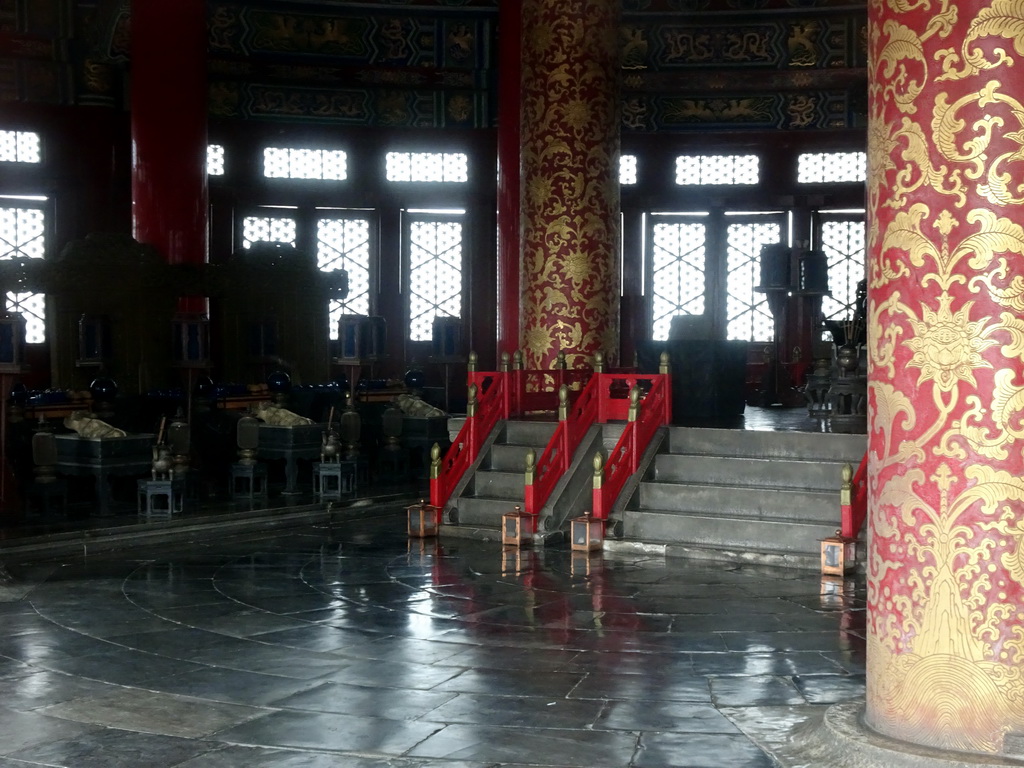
168	123
570	183
510	54
945	644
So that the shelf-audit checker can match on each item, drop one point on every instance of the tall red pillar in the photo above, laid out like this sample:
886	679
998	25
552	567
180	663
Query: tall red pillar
946	375
570	183
168	124
510	52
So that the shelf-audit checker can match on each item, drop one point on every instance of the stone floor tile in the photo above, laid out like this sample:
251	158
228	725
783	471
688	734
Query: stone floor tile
490	745
152	712
331	732
367	701
764	691
667	716
112	748
20	730
704	750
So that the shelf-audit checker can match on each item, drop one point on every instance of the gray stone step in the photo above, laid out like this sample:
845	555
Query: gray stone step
758	503
502	485
727	533
737	442
484	512
531	433
747	471
509	458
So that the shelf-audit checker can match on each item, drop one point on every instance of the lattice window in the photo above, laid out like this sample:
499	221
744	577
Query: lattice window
23	235
627	169
291	163
828	167
747	315
699	170
215	160
678	272
435	273
19	147
32	306
842	239
344	243
267	229
427	166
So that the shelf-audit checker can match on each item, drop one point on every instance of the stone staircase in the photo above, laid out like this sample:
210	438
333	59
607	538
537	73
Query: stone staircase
742	496
496	486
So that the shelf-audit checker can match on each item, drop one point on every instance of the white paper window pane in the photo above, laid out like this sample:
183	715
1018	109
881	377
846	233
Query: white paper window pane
268	229
678	273
435	275
344	243
215	160
427	166
699	170
830	167
627	169
844	246
19	147
32	306
748	317
297	163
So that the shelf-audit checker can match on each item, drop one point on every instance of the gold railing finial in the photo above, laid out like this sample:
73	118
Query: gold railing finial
846	489
435	461
598	470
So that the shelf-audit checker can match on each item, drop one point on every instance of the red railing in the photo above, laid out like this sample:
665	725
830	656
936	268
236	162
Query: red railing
487	405
573	422
602	397
644	418
853	499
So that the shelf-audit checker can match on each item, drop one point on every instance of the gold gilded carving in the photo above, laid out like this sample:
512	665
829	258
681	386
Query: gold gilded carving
903	44
1012	526
1004	18
918	170
946	125
947	345
947	673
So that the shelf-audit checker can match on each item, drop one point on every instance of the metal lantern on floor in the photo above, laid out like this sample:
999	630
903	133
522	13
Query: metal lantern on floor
587	533
516	528
838	555
423	519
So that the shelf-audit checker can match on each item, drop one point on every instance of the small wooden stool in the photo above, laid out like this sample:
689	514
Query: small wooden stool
333	479
161	499
248	482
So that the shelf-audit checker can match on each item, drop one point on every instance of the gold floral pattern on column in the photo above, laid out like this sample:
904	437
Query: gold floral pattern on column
946	352
570	208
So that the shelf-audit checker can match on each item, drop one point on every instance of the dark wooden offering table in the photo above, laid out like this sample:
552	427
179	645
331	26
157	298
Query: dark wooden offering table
302	441
102	457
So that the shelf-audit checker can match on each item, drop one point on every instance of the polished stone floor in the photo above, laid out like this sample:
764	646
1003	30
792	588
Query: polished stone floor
346	644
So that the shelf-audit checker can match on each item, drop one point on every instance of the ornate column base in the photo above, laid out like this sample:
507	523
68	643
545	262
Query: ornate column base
838	738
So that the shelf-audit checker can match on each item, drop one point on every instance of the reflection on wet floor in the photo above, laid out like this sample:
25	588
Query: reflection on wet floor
354	646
